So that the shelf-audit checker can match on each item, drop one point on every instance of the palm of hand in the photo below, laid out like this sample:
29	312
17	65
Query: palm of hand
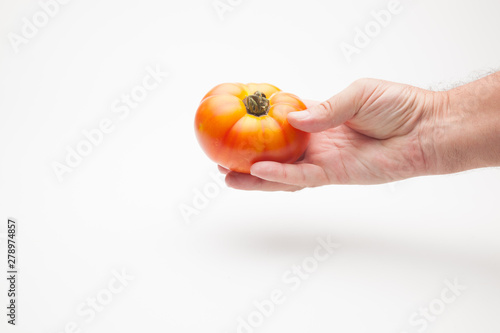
349	157
380	144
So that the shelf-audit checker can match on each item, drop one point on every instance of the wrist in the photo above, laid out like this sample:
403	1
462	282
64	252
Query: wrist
464	127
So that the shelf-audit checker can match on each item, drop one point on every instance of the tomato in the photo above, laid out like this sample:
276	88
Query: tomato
240	124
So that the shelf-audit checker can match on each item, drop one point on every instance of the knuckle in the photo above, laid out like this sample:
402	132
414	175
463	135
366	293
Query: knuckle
303	175
363	82
325	109
284	173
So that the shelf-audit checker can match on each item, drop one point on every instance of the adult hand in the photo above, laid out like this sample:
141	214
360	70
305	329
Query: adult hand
372	132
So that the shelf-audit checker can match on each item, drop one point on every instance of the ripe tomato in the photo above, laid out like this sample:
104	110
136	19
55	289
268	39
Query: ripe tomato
240	124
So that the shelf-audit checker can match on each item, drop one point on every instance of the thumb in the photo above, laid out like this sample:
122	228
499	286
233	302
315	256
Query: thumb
330	113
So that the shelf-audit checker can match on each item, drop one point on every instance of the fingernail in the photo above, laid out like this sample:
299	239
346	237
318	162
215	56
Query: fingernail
299	115
252	170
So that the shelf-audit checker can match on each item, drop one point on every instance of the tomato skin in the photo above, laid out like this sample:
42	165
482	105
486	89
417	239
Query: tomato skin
236	139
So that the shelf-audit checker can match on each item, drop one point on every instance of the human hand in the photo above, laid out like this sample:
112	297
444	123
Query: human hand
369	133
372	132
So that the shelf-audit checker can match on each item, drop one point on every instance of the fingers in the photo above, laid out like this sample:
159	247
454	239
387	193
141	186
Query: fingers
274	176
242	181
223	170
331	113
299	174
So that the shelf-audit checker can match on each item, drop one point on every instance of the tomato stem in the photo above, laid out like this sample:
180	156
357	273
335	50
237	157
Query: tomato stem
257	104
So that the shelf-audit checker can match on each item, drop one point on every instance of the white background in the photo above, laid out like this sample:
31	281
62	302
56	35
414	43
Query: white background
120	208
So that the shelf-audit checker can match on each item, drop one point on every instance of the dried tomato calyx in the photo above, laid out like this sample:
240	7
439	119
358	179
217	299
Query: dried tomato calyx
257	104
